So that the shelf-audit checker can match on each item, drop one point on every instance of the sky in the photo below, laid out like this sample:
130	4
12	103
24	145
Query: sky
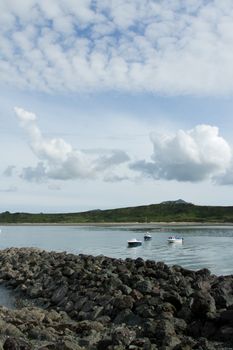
108	104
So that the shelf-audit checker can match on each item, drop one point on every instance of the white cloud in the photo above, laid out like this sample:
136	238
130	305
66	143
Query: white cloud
225	179
116	157
193	155
59	160
171	47
34	174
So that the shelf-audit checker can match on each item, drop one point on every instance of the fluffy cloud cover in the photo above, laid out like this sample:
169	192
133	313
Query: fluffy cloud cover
171	47
58	159
193	155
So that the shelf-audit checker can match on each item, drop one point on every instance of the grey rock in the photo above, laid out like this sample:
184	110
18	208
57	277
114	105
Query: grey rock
202	304
59	294
16	344
128	317
99	303
144	286
123	336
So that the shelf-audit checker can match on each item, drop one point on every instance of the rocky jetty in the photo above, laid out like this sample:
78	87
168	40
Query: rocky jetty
86	302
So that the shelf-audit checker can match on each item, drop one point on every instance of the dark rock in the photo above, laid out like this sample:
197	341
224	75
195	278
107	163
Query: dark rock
97	312
69	306
136	295
174	298
170	341
41	334
125	289
209	329
185	313
194	329
186	343
61	345
104	344
203	344
222	291
144	287
202	304
104	303
123	302
225	333
139	262
180	325
128	317
16	344
123	336
203	272
226	316
59	294
145	311
67	271
166	307
165	328
79	302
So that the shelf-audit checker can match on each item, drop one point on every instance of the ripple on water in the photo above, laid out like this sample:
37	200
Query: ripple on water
210	247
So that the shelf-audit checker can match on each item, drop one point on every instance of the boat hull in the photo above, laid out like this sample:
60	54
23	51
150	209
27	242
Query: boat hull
147	238
178	240
134	244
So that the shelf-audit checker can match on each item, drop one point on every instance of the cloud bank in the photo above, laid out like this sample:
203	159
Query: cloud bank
174	47
58	159
194	155
188	155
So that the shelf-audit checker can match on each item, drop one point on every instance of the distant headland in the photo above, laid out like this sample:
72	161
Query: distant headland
176	211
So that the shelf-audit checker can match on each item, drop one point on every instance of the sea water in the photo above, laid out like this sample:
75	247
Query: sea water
203	247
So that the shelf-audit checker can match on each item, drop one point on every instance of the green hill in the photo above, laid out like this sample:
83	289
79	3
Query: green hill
171	211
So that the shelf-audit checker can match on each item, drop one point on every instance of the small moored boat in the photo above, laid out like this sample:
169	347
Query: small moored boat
134	243
147	236
175	239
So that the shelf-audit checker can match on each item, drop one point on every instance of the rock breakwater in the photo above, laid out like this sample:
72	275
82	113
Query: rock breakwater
86	302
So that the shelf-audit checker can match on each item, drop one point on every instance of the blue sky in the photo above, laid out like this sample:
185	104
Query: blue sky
113	104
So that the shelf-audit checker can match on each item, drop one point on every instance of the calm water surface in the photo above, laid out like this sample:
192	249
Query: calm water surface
210	247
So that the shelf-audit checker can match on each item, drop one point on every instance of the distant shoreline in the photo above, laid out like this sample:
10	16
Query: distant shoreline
119	224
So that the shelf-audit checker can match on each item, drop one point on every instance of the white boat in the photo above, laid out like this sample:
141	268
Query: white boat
134	243
147	236
175	239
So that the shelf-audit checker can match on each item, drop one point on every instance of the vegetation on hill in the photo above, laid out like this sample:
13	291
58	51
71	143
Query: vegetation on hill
166	211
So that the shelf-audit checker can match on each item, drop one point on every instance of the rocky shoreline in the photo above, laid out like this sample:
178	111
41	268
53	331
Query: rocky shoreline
85	302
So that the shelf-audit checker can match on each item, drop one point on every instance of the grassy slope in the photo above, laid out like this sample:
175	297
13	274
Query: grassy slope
148	213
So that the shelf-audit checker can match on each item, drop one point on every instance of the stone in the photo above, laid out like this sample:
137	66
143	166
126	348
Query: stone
123	302
128	317
225	333
173	298
59	294
123	336
16	344
113	304
202	304
226	316
144	286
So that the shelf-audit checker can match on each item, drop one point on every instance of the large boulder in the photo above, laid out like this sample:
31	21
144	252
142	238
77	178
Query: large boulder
202	304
